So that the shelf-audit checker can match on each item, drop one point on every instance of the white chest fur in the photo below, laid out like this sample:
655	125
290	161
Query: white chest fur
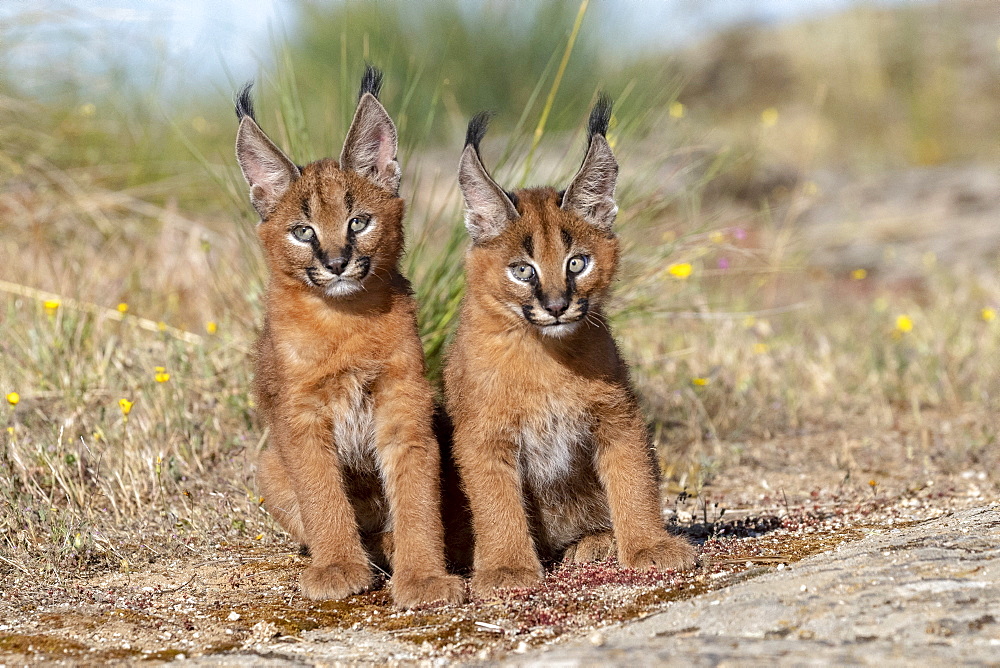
549	442
354	426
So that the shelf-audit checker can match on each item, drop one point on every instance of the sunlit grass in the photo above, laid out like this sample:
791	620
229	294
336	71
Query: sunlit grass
130	278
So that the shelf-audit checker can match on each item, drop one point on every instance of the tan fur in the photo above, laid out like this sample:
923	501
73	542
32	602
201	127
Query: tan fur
549	439
339	380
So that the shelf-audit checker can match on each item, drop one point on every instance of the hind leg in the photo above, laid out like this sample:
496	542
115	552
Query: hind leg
279	496
592	547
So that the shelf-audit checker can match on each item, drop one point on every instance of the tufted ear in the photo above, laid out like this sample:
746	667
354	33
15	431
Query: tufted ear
267	170
488	209
370	147
591	194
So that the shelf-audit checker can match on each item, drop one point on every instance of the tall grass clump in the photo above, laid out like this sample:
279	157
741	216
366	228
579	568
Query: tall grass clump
130	272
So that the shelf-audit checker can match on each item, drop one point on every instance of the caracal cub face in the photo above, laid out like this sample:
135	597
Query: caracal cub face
548	271
550	444
352	468
331	227
334	232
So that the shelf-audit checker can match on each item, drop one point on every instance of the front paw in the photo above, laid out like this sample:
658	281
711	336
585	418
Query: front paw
663	553
485	582
592	547
335	580
409	592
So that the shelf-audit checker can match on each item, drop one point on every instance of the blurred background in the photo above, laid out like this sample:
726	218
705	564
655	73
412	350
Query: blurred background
809	205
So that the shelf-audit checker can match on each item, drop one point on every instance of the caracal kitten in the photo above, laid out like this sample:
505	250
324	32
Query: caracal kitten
550	443
339	369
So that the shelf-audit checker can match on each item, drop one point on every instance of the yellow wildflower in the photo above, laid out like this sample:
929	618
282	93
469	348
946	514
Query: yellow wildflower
211	327
859	274
700	382
162	326
125	405
51	305
123	308
717	237
988	314
161	375
676	110
904	324
680	269
760	348
769	117
13	398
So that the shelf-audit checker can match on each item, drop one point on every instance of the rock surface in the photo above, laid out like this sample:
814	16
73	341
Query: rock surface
927	594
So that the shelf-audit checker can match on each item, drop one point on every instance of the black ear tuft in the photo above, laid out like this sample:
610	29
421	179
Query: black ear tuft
600	116
244	102
371	81
477	129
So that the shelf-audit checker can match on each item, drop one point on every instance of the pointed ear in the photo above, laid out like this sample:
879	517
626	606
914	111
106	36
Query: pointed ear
591	194
488	209
370	147
267	170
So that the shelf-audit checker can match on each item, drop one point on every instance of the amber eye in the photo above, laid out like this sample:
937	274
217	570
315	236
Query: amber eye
303	233
576	264
357	224
523	272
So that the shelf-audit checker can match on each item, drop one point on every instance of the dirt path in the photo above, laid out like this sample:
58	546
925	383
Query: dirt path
240	605
926	594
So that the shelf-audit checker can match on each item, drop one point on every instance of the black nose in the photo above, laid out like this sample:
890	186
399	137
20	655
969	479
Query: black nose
336	264
556	306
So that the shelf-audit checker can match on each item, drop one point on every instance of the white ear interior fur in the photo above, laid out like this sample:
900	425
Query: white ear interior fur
591	194
371	144
487	207
267	170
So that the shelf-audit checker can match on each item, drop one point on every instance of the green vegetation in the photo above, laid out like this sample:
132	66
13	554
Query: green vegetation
110	196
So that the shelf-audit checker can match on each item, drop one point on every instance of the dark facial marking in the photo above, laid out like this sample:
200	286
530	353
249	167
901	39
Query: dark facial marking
306	208
567	239
537	290
529	246
570	286
348	200
365	264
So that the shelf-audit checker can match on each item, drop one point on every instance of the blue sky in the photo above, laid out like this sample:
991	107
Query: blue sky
219	40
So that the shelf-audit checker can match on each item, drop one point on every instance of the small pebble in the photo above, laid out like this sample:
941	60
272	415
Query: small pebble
597	639
233	616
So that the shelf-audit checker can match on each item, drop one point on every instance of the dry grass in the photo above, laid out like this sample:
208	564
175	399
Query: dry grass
756	364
